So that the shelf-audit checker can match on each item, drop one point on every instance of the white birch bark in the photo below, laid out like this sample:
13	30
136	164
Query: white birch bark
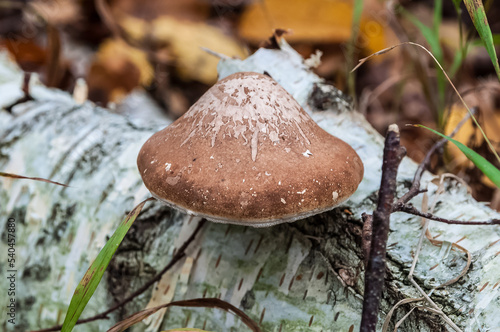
305	276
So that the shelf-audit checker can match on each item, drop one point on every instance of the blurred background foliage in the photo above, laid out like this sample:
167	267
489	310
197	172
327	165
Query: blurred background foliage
156	48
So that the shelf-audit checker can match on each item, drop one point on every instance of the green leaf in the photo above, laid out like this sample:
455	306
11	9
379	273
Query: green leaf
457	61
93	276
478	15
484	165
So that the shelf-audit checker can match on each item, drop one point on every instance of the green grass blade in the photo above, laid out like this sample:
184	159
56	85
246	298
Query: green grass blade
385	50
429	34
456	3
438	13
93	276
457	61
351	47
478	15
484	165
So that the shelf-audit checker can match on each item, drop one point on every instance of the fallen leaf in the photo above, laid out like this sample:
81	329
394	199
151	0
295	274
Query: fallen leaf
194	10
117	69
184	40
466	135
27	53
484	98
60	12
319	21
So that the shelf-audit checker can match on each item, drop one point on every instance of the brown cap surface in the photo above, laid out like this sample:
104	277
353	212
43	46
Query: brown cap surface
247	153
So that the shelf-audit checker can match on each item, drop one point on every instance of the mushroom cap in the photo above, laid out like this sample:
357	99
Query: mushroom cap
247	153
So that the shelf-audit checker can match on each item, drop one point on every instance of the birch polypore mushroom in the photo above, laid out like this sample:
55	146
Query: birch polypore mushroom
247	153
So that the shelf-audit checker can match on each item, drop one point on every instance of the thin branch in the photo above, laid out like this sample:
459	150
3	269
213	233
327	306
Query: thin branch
374	275
415	186
180	253
408	208
26	93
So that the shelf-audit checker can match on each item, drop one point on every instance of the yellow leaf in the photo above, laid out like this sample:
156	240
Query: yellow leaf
469	134
59	12
320	21
466	135
185	40
117	69
136	28
111	50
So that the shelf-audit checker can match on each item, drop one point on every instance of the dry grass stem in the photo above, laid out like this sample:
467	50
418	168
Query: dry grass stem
385	50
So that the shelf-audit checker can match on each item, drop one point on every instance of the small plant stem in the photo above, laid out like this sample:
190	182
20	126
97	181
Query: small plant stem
412	210
374	275
415	186
351	46
26	93
385	50
414	264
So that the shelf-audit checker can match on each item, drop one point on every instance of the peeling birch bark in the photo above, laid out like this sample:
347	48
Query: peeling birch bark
304	276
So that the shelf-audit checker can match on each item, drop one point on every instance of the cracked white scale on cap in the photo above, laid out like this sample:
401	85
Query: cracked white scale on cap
246	102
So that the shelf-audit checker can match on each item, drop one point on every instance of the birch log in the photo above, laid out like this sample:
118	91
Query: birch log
304	276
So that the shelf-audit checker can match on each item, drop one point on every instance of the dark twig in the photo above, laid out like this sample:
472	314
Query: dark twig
179	254
415	186
408	208
26	93
367	236
375	272
374	245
